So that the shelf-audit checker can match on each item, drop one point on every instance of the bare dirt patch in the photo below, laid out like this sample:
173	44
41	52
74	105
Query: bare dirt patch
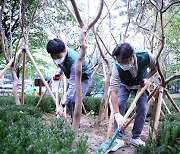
97	135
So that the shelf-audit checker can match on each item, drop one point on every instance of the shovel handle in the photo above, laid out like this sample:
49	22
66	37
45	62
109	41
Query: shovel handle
133	104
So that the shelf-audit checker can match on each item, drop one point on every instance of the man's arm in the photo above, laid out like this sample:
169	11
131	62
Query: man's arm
70	94
114	101
114	87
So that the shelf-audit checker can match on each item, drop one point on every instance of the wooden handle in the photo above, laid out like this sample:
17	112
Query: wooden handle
133	104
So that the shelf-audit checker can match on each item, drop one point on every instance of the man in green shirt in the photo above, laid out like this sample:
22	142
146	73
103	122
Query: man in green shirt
129	71
65	58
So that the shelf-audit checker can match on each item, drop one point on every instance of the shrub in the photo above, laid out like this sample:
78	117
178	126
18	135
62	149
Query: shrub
92	103
168	139
22	131
46	105
6	100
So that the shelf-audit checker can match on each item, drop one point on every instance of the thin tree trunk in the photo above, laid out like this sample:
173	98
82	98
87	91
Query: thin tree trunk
15	86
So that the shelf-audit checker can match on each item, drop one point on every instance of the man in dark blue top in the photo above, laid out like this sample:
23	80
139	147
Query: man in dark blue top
65	58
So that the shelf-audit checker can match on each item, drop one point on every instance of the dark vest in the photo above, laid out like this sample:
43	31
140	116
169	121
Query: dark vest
143	61
70	58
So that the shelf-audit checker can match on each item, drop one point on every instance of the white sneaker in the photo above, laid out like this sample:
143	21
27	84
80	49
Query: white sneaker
120	143
137	142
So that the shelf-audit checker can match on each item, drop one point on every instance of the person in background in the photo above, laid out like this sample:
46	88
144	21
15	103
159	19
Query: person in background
65	58
129	71
34	93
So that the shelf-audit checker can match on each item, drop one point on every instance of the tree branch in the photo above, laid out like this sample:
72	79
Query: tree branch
104	44
152	40
3	37
170	18
98	15
173	3
162	36
160	73
78	17
173	77
154	5
101	53
129	19
65	4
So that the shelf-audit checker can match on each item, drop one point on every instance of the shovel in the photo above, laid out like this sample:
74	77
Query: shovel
107	145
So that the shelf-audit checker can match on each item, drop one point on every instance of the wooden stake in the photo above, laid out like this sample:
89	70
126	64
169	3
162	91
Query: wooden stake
133	104
23	75
96	69
152	93
42	96
41	76
158	111
172	101
166	107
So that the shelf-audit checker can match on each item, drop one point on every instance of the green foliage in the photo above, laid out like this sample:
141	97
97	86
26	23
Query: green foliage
170	106
168	140
46	105
6	100
21	129
92	103
97	85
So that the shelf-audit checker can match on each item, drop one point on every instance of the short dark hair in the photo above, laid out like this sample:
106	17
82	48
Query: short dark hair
124	51
55	46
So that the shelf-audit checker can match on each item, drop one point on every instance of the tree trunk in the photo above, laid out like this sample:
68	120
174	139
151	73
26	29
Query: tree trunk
15	86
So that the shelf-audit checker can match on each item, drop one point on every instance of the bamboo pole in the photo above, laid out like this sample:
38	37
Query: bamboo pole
10	63
158	111
172	101
41	76
23	75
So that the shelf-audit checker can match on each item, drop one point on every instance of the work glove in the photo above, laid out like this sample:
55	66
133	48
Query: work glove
60	110
120	120
56	77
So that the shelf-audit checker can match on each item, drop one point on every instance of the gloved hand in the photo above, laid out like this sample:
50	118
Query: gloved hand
56	77
60	110
120	120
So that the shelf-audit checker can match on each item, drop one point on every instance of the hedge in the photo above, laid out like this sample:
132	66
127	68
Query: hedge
168	139
22	131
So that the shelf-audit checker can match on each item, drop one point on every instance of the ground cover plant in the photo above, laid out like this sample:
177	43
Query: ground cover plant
22	130
168	139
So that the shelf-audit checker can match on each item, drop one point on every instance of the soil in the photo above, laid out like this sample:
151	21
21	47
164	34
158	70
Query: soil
97	135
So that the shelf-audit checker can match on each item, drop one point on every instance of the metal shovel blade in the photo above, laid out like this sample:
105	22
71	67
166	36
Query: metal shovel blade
107	145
